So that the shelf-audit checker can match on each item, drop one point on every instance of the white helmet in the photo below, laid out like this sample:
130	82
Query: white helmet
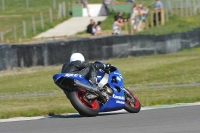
77	56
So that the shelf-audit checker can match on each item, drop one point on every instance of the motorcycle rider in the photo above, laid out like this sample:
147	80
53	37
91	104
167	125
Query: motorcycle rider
77	65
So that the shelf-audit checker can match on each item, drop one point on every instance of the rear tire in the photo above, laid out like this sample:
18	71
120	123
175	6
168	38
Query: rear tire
130	107
82	106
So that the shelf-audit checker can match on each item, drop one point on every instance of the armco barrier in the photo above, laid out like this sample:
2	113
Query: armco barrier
8	57
58	52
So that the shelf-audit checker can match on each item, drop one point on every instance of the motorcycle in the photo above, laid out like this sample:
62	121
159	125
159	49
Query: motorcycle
88	102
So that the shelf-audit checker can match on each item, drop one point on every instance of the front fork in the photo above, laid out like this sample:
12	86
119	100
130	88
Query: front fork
129	96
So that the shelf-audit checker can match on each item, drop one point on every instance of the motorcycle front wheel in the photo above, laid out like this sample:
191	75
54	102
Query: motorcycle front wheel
82	105
132	107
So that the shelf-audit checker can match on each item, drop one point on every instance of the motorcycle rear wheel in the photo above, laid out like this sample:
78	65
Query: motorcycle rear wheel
132	107
85	108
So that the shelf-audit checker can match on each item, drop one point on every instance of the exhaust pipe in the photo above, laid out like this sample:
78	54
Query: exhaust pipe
89	88
84	86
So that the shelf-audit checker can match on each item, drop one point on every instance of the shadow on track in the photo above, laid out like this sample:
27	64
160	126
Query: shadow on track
80	116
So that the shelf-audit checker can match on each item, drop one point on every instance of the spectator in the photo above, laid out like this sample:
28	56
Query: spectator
90	27
109	2
119	15
134	16
94	29
98	28
139	18
105	4
117	26
144	13
85	5
157	7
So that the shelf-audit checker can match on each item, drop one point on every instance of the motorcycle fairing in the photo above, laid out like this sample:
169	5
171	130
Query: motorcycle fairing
79	77
117	100
65	80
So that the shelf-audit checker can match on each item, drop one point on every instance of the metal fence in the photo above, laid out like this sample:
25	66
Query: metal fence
182	7
34	23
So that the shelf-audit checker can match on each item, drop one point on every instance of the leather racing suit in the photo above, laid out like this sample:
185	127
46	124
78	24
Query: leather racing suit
88	70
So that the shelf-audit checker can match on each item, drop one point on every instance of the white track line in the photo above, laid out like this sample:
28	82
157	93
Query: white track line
119	111
22	119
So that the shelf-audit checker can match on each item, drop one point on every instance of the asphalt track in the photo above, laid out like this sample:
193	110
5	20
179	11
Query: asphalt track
168	120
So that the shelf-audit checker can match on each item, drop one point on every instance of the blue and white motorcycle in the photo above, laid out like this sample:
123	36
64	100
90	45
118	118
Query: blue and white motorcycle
111	97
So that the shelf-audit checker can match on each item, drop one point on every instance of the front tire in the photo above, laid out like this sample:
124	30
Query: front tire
84	107
132	107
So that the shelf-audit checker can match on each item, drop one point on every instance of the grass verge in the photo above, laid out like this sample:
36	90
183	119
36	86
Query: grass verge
149	97
57	104
176	24
34	106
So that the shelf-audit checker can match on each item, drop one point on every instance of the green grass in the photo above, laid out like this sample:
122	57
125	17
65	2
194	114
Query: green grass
149	97
161	70
59	104
169	69
34	106
33	80
15	12
176	24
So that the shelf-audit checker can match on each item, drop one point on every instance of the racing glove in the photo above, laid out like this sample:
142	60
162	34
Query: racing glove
106	66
